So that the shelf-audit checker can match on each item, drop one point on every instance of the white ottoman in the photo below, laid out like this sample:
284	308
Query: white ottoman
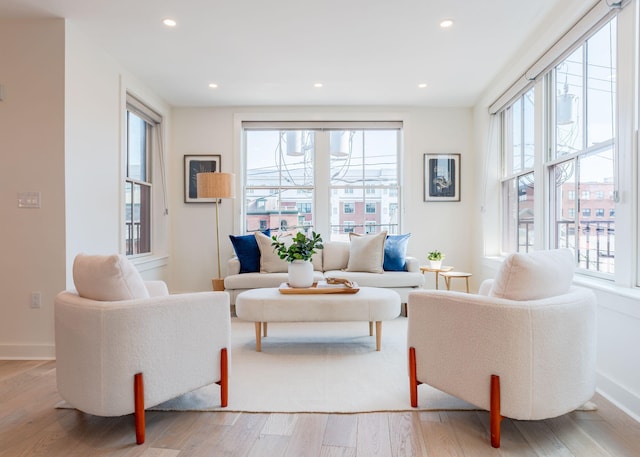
369	304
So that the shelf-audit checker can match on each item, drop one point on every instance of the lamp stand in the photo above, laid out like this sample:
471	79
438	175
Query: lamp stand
218	283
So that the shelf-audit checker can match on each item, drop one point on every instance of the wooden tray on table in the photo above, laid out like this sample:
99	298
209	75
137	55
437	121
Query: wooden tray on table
322	288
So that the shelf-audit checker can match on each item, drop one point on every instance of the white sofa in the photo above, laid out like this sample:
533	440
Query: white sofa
524	347
134	333
330	262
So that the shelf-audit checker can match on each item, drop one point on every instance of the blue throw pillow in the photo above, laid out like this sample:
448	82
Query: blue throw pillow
247	251
395	251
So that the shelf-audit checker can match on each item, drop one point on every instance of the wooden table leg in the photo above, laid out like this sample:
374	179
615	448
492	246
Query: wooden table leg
370	328
378	335
437	274
264	329
258	336
467	279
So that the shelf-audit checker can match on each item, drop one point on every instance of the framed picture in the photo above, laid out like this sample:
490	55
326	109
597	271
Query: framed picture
442	177
194	164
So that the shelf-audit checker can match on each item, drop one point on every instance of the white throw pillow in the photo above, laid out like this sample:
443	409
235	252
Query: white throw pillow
534	276
107	278
269	260
335	255
366	252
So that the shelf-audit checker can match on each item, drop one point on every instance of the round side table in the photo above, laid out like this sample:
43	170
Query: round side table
448	275
436	271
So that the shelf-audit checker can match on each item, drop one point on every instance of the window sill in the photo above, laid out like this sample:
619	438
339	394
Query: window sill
149	262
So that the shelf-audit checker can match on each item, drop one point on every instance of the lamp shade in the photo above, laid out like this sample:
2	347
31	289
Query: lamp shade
216	185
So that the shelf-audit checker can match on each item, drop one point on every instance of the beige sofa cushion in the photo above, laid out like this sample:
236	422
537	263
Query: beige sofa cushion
269	260
366	252
107	278
335	255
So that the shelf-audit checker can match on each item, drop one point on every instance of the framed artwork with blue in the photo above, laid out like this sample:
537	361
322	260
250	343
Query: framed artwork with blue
442	177
194	164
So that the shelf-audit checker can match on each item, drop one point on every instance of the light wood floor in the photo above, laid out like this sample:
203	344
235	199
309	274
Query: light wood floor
31	426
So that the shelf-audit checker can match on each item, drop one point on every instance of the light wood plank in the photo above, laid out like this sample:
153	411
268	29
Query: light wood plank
341	431
279	424
439	437
405	435
373	435
542	439
307	436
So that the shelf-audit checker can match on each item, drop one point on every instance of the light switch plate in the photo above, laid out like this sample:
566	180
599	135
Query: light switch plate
28	199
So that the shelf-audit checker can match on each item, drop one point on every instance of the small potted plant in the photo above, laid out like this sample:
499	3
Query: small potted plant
298	254
435	259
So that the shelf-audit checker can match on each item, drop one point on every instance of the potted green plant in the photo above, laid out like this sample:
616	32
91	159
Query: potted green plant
298	253
435	258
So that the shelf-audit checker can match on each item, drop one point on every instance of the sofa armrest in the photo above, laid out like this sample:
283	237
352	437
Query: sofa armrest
233	266
412	264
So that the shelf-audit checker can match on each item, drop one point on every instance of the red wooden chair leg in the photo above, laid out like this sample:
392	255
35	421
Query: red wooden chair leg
138	395
224	378
413	380
494	411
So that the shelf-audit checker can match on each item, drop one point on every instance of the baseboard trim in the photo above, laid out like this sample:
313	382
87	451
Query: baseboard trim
27	352
623	398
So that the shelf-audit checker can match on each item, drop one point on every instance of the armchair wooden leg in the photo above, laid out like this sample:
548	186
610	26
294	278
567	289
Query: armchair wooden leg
138	396
413	380
224	378
494	411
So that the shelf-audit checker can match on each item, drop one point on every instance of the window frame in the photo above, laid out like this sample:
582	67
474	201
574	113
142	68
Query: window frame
324	194
152	122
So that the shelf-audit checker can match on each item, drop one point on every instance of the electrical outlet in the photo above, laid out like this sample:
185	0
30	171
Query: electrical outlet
35	299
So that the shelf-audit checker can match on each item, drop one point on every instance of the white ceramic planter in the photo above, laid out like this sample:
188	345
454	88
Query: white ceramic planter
300	273
435	264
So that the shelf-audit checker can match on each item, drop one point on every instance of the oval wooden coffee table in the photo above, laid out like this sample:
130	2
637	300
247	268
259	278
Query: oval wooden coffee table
369	304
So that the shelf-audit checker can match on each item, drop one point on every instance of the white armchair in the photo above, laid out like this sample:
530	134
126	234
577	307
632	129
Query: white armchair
105	346
524	348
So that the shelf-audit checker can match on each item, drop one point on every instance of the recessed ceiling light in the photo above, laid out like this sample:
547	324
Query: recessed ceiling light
318	85
446	23
422	85
169	22
213	85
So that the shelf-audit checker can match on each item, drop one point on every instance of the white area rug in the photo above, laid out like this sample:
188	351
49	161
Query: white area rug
317	367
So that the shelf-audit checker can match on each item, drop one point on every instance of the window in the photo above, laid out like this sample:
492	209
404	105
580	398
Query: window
599	212
582	157
518	183
304	207
313	174
571	195
141	125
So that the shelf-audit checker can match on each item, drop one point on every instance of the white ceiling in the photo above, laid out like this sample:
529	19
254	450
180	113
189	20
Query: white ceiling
365	52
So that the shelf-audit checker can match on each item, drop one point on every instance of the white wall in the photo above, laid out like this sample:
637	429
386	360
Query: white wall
61	125
32	241
96	87
444	226
618	307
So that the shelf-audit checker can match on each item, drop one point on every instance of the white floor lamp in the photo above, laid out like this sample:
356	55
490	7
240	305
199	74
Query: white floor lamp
216	185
